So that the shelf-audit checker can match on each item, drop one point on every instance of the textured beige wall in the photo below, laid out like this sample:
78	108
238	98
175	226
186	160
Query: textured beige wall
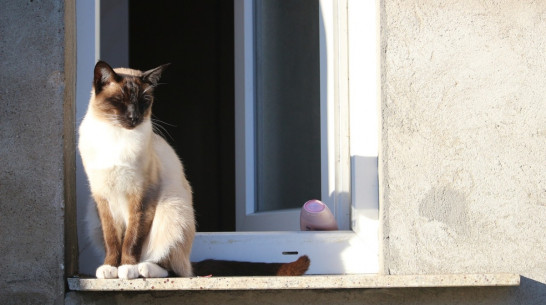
464	137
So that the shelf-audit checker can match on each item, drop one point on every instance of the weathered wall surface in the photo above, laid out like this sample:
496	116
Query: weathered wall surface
464	139
32	89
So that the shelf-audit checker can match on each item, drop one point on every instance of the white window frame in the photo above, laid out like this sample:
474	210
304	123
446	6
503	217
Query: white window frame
353	152
335	170
349	156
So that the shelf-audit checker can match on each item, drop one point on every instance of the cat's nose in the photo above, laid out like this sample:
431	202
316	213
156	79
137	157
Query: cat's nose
133	117
132	114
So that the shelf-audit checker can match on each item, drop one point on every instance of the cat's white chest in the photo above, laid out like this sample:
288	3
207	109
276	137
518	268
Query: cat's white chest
104	146
114	157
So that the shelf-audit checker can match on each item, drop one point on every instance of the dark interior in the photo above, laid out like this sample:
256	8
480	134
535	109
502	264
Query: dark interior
196	98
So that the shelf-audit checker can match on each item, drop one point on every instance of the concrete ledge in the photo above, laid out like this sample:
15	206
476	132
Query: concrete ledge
297	282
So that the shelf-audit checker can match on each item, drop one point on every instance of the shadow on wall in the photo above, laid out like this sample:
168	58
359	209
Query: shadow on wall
531	290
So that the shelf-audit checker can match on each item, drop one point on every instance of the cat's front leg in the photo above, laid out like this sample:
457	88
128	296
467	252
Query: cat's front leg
141	213
112	241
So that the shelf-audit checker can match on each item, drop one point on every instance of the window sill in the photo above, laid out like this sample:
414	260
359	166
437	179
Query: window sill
297	282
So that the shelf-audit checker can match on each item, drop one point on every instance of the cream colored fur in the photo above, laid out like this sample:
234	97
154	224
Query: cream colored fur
116	160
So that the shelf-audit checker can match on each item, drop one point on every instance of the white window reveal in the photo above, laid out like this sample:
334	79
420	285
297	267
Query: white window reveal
306	127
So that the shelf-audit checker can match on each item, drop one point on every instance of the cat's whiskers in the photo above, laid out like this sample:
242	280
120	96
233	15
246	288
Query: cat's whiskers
111	117
155	119
161	130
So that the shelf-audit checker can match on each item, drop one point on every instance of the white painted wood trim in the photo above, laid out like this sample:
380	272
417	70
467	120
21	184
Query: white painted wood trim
333	252
244	112
364	97
335	110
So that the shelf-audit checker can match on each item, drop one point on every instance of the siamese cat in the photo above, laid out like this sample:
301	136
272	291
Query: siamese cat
143	209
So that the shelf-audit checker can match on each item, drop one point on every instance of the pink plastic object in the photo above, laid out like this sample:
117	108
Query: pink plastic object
316	216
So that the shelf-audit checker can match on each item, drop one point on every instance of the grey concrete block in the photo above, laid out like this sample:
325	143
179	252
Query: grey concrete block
32	86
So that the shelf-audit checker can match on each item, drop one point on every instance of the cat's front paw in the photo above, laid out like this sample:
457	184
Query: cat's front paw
147	269
107	272
128	272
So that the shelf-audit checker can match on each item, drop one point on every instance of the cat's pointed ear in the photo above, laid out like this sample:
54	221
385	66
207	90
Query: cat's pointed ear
152	76
103	75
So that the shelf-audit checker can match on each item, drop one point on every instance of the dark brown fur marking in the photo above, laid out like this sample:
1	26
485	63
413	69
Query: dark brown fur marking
234	268
111	235
298	267
126	248
142	211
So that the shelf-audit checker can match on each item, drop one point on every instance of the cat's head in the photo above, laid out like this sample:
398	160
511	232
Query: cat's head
124	96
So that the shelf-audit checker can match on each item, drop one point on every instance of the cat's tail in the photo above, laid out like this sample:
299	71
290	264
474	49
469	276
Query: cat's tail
235	268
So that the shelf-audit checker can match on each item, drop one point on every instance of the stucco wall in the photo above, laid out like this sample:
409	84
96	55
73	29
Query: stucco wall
32	158
464	138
